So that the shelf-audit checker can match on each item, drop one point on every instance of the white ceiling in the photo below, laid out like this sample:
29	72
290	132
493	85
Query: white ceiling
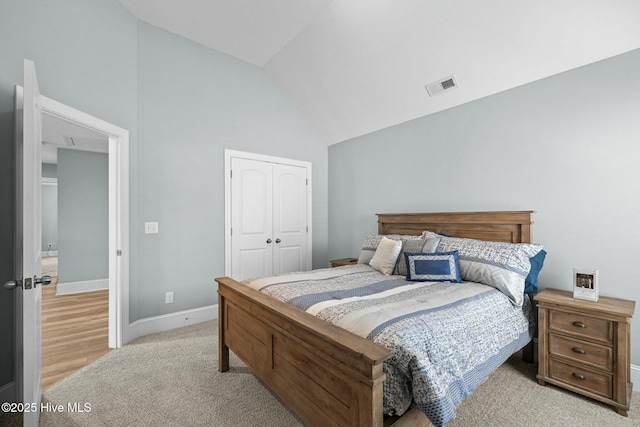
352	67
58	133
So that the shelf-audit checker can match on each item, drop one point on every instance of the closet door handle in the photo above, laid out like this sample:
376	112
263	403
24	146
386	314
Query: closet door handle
268	240
278	240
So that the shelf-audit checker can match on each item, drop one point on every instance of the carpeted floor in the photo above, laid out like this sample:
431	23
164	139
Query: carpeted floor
511	396
167	379
171	379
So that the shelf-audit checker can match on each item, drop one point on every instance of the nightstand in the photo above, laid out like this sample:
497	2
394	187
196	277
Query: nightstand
343	261
585	346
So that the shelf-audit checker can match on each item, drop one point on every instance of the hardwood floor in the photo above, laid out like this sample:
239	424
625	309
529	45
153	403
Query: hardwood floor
74	331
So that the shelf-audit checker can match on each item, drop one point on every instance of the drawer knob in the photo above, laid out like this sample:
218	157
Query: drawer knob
578	376
579	324
579	350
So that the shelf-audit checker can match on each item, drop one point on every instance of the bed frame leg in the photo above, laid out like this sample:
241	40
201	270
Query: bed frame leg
223	350
528	353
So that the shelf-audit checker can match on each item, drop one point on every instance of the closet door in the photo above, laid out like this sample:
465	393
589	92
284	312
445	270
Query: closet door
269	231
289	218
251	219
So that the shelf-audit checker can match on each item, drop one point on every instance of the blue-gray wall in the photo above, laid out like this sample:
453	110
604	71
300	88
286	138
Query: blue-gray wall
83	216
49	170
86	57
183	104
194	103
567	146
49	218
49	209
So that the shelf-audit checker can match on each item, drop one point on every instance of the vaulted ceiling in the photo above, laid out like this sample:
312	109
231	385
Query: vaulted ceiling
352	67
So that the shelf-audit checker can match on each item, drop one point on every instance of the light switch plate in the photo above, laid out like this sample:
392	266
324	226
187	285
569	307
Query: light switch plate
150	228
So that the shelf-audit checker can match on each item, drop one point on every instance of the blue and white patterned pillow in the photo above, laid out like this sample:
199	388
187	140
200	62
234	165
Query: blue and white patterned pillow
433	267
504	266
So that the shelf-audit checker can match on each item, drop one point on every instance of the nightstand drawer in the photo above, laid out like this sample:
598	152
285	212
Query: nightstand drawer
585	379
581	326
580	351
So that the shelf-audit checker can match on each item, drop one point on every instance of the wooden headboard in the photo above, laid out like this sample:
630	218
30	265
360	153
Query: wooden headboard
501	226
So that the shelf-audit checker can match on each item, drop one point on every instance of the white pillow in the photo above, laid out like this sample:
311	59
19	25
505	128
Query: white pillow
384	260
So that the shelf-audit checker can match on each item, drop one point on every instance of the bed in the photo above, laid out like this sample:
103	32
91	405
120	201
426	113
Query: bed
329	375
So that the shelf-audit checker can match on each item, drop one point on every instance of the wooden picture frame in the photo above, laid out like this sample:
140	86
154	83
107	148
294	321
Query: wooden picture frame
586	285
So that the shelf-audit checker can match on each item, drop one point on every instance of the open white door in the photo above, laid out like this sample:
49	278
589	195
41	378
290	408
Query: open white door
28	254
27	284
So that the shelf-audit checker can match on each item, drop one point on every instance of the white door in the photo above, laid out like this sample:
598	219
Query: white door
28	244
289	218
251	219
269	218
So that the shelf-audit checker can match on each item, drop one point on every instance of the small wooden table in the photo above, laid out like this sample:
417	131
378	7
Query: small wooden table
585	346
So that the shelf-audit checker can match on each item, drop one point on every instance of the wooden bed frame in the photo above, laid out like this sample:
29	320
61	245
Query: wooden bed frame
327	375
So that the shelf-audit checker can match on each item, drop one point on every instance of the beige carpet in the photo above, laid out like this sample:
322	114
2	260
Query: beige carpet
171	379
512	397
167	379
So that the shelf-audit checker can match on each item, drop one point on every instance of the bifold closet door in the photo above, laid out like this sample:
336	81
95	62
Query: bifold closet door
268	218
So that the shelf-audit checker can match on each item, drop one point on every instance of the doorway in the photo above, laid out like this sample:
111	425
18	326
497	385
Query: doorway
30	106
74	247
102	136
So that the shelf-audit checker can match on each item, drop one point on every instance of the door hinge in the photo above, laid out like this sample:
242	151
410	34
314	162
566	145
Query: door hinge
231	174
232	231
119	252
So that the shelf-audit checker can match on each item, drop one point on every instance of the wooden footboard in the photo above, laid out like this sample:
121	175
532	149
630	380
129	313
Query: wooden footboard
326	375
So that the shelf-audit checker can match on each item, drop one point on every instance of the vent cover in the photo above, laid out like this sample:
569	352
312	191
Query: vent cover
439	86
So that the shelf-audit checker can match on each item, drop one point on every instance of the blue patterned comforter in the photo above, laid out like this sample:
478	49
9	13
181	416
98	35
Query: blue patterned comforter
446	338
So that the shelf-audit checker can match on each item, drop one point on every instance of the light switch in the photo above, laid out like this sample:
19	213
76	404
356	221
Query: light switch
150	228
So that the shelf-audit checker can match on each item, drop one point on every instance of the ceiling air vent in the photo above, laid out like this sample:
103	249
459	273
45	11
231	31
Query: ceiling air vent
439	86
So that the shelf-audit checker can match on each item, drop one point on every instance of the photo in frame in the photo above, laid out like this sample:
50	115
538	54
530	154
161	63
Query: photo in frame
586	284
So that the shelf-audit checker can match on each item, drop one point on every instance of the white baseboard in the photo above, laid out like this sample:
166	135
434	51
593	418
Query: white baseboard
78	287
166	322
8	392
